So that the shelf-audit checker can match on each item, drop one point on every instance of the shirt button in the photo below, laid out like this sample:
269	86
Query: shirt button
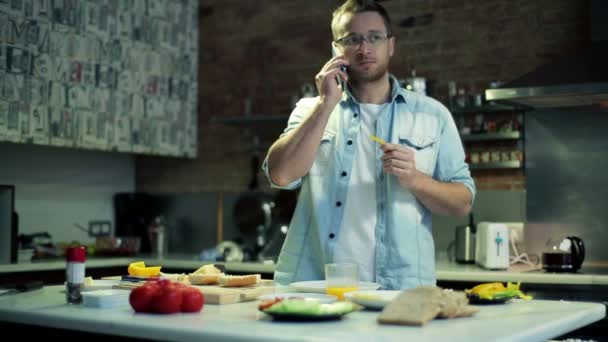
331	235
343	173
338	204
350	142
355	115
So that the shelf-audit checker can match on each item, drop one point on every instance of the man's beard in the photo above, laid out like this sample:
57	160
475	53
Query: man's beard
363	77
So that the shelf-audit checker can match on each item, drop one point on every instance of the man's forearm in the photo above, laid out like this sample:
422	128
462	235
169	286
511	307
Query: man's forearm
442	198
292	156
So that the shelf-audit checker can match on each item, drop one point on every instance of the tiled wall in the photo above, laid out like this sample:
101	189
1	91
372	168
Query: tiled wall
100	74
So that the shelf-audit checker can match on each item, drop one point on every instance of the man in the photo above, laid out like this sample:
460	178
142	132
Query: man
362	201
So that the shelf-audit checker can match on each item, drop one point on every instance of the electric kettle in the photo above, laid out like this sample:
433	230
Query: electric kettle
564	255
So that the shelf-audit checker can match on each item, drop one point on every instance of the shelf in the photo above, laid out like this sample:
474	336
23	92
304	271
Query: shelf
249	120
486	109
515	164
492	136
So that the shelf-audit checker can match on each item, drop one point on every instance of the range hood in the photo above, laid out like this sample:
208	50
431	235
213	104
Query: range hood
578	79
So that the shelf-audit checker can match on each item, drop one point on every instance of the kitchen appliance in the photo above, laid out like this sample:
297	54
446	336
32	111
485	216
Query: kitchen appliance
133	214
8	225
464	243
492	245
579	79
564	255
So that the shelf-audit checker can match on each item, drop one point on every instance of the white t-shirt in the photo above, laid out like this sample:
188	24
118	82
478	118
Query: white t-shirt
357	239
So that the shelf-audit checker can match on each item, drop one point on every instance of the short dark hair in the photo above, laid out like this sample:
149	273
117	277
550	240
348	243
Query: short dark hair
358	6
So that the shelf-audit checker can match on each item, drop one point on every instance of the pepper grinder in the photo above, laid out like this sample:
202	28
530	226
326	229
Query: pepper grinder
156	233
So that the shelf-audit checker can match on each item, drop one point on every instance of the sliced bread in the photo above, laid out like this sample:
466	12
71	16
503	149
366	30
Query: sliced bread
239	281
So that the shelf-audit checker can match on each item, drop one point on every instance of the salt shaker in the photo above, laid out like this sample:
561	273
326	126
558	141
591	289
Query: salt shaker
75	257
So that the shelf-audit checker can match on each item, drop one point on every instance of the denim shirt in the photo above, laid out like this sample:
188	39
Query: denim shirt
404	251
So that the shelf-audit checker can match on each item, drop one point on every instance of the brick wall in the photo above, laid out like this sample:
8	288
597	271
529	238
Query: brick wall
265	50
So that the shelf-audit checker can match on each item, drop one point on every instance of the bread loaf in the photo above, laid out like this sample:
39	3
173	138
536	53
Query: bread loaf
204	279
412	307
422	304
205	275
208	269
239	281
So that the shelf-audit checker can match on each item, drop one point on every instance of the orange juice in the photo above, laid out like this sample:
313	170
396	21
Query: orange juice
339	291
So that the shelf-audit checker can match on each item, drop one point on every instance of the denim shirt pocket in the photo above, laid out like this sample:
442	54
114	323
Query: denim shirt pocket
425	150
324	155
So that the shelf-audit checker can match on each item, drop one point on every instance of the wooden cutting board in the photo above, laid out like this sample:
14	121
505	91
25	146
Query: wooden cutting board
215	294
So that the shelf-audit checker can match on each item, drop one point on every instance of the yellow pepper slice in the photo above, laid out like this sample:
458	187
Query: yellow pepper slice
497	290
139	269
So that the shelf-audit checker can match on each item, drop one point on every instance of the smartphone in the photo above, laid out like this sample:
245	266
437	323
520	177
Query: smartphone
334	52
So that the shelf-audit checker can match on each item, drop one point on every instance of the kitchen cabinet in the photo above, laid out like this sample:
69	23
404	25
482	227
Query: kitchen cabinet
100	77
492	135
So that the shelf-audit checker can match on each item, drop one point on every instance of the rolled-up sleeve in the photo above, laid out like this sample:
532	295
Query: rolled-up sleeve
296	117
451	165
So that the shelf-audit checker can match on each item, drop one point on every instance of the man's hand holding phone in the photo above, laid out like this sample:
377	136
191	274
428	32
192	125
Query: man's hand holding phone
326	79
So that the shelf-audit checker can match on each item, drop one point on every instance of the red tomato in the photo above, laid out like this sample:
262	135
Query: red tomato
142	298
192	299
169	301
163	282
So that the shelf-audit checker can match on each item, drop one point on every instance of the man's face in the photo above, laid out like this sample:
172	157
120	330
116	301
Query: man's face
368	62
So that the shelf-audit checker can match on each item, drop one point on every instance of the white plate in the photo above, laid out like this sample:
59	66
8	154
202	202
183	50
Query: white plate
321	298
372	299
318	286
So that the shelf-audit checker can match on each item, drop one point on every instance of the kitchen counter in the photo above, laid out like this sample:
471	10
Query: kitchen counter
592	273
175	262
517	320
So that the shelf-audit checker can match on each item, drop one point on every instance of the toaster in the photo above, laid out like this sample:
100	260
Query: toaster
492	245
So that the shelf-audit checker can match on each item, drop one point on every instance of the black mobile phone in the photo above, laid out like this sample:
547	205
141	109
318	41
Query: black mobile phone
334	52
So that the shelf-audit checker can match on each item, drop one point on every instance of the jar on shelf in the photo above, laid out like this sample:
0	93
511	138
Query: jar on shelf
495	156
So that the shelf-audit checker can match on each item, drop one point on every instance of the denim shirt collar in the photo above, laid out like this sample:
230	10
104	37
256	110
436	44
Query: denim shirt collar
396	92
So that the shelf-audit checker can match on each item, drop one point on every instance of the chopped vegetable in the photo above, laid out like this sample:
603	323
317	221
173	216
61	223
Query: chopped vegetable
497	291
139	269
310	308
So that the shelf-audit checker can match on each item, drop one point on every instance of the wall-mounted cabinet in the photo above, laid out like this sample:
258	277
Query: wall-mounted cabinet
493	136
103	75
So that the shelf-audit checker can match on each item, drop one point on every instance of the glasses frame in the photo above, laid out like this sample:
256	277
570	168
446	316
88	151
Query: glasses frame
365	38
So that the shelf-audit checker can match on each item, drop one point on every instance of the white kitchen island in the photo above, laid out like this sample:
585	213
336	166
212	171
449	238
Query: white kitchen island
517	320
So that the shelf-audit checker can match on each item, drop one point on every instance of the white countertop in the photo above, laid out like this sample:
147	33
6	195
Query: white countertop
517	320
446	271
177	263
450	271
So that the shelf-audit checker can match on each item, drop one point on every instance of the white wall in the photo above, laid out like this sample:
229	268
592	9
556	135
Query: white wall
57	187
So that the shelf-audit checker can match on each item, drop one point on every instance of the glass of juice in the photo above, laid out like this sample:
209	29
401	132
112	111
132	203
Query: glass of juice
341	278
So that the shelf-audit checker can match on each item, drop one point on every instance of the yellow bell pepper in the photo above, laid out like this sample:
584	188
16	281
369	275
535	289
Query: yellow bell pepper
497	290
139	269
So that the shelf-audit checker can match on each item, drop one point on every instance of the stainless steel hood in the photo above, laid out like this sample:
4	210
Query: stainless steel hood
579	79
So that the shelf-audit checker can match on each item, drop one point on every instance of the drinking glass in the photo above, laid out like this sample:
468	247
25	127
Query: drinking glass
341	278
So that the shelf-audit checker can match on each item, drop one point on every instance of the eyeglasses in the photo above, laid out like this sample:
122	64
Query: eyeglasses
355	39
